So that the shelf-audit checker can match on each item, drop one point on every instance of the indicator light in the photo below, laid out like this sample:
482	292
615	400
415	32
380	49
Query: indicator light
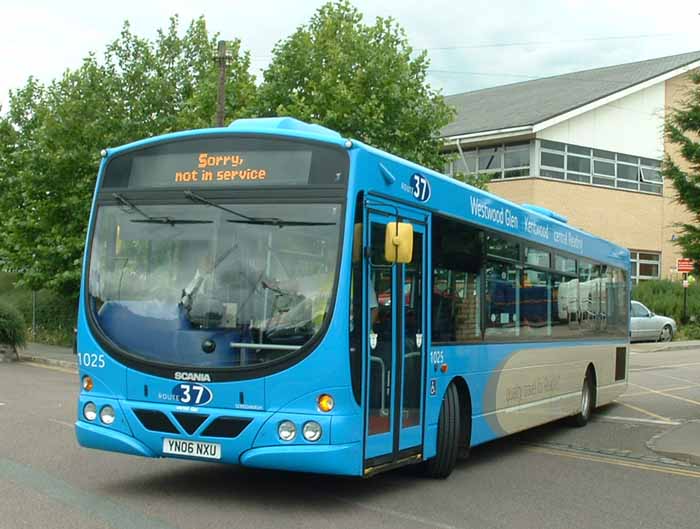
325	403
87	383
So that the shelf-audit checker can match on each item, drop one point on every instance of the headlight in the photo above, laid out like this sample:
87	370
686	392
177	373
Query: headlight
312	431
287	431
90	411
107	414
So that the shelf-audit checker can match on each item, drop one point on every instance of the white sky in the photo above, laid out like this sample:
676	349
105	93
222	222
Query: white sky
43	38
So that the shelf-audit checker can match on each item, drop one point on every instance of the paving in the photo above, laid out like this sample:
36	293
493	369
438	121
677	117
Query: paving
52	355
682	443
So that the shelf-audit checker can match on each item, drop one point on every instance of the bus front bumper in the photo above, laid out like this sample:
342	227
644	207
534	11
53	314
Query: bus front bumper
338	451
325	459
100	438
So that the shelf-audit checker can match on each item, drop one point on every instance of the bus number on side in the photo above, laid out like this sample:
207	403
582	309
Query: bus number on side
91	360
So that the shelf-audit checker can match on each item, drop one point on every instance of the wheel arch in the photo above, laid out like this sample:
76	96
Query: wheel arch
594	378
465	409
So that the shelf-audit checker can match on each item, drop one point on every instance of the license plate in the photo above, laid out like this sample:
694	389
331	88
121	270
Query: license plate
180	447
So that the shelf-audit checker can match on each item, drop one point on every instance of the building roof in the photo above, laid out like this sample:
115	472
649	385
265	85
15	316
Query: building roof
530	102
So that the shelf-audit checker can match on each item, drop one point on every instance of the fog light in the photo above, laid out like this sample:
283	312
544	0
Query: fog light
87	383
107	414
325	403
287	431
90	411
312	431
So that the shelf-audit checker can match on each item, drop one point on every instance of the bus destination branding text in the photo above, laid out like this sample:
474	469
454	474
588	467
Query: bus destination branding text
504	216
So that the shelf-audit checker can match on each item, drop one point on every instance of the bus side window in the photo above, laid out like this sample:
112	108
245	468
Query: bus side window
456	293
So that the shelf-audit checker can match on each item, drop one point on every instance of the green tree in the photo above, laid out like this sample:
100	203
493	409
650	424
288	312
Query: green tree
683	132
362	80
52	136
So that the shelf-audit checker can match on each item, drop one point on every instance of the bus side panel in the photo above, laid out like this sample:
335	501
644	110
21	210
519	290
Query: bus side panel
518	386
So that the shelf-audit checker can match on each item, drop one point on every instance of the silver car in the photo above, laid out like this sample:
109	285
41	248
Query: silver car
645	325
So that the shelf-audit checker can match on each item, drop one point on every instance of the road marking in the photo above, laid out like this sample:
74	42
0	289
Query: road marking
679	379
113	513
398	514
52	368
615	418
677	388
672	366
642	410
2	403
669	395
62	423
616	462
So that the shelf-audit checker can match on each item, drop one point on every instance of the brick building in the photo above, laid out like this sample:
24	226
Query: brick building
587	145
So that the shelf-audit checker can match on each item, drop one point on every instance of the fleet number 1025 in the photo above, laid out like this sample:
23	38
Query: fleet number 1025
91	360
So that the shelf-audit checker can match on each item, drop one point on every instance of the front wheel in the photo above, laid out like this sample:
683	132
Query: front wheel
445	460
587	402
666	334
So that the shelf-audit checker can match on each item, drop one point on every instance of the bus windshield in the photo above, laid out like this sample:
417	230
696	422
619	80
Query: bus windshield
212	284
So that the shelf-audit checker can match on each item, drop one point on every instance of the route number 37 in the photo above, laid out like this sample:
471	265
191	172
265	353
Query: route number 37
91	360
420	187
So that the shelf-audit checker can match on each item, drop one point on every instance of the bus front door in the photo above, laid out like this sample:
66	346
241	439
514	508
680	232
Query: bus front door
395	295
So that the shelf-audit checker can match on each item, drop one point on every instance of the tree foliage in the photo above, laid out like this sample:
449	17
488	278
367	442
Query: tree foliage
683	131
364	81
51	137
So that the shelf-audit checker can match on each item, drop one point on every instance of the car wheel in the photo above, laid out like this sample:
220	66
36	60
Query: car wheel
666	334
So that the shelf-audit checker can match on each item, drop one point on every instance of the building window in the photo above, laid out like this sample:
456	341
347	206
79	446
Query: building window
508	160
598	167
645	265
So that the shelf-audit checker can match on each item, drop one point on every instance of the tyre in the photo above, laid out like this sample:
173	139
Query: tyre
666	334
587	401
445	460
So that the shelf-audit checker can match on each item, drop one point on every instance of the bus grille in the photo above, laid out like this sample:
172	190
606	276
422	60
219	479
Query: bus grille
226	427
155	421
190	421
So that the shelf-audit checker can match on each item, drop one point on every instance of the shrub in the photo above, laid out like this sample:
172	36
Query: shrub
666	298
55	313
690	332
13	332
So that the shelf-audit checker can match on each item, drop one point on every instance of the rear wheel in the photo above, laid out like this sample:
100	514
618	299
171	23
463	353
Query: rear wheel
587	401
445	460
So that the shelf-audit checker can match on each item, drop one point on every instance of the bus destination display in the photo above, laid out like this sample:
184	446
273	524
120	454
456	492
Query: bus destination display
221	168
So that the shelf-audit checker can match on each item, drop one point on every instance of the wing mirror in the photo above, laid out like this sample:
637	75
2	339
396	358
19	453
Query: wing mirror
398	242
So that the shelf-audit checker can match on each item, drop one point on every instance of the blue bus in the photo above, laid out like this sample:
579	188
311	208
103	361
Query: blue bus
274	295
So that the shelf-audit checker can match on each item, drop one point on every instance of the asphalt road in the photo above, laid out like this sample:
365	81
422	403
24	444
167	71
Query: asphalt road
603	475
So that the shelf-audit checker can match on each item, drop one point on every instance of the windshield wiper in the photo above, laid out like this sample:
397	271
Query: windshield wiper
197	198
267	221
156	220
273	221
